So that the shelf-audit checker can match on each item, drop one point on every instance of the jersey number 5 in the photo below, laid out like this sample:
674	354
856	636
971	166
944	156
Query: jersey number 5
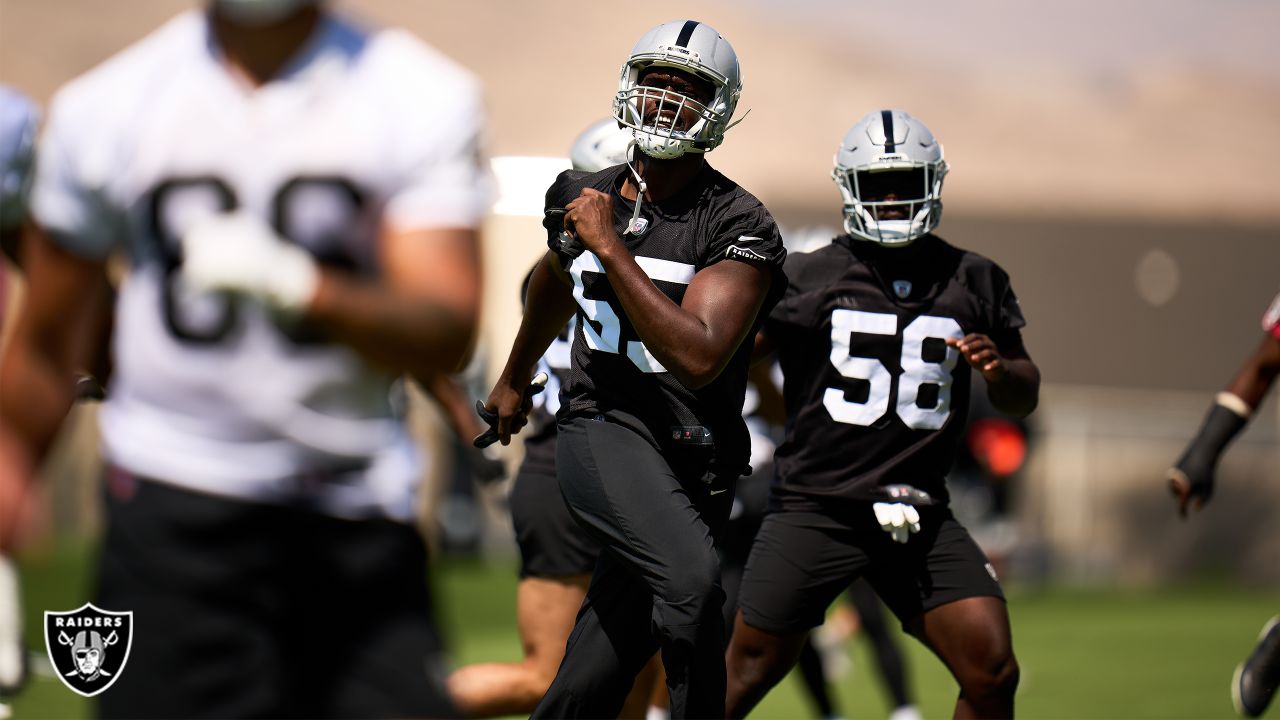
609	338
916	371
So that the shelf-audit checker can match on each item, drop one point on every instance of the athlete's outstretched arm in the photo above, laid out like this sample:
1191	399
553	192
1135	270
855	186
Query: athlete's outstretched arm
695	339
37	375
454	404
548	306
418	316
48	347
1013	380
1191	478
421	318
1258	374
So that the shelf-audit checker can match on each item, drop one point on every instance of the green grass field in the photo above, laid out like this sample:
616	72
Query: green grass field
1084	654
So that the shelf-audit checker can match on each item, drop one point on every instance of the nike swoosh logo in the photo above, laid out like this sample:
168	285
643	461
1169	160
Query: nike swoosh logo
748	237
717	492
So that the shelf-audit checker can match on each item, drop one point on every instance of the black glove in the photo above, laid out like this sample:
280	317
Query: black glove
490	436
562	242
1191	478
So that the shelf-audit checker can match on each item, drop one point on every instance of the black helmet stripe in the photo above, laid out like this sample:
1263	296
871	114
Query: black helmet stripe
886	117
686	32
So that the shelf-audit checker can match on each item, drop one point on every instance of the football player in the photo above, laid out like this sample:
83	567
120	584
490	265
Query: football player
669	266
299	200
823	655
876	336
1191	480
556	554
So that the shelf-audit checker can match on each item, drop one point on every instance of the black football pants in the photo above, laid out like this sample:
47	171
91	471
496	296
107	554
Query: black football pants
657	583
244	610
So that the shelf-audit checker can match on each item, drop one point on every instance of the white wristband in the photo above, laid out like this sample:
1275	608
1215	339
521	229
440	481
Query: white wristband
1235	404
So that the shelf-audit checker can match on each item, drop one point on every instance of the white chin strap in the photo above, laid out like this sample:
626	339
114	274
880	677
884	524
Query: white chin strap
638	225
257	13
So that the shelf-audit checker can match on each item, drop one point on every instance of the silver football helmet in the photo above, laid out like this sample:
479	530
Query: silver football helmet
602	145
693	47
889	169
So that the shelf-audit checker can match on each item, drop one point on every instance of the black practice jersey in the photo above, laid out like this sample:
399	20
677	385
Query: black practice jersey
874	396
613	373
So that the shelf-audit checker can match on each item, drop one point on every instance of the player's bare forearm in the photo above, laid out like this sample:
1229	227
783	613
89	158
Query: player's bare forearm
58	331
36	391
1191	479
1013	380
454	403
1258	374
399	332
1017	391
548	306
420	316
694	340
38	372
15	474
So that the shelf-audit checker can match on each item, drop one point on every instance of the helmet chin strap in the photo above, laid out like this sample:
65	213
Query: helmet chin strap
638	225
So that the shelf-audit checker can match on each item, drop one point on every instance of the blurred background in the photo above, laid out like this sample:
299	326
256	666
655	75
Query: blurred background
1121	160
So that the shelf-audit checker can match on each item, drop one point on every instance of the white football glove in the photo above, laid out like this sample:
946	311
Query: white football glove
238	252
897	519
12	651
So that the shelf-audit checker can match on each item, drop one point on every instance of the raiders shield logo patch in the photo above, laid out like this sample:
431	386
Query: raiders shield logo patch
88	646
902	288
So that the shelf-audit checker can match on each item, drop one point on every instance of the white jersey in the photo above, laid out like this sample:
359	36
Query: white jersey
366	129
